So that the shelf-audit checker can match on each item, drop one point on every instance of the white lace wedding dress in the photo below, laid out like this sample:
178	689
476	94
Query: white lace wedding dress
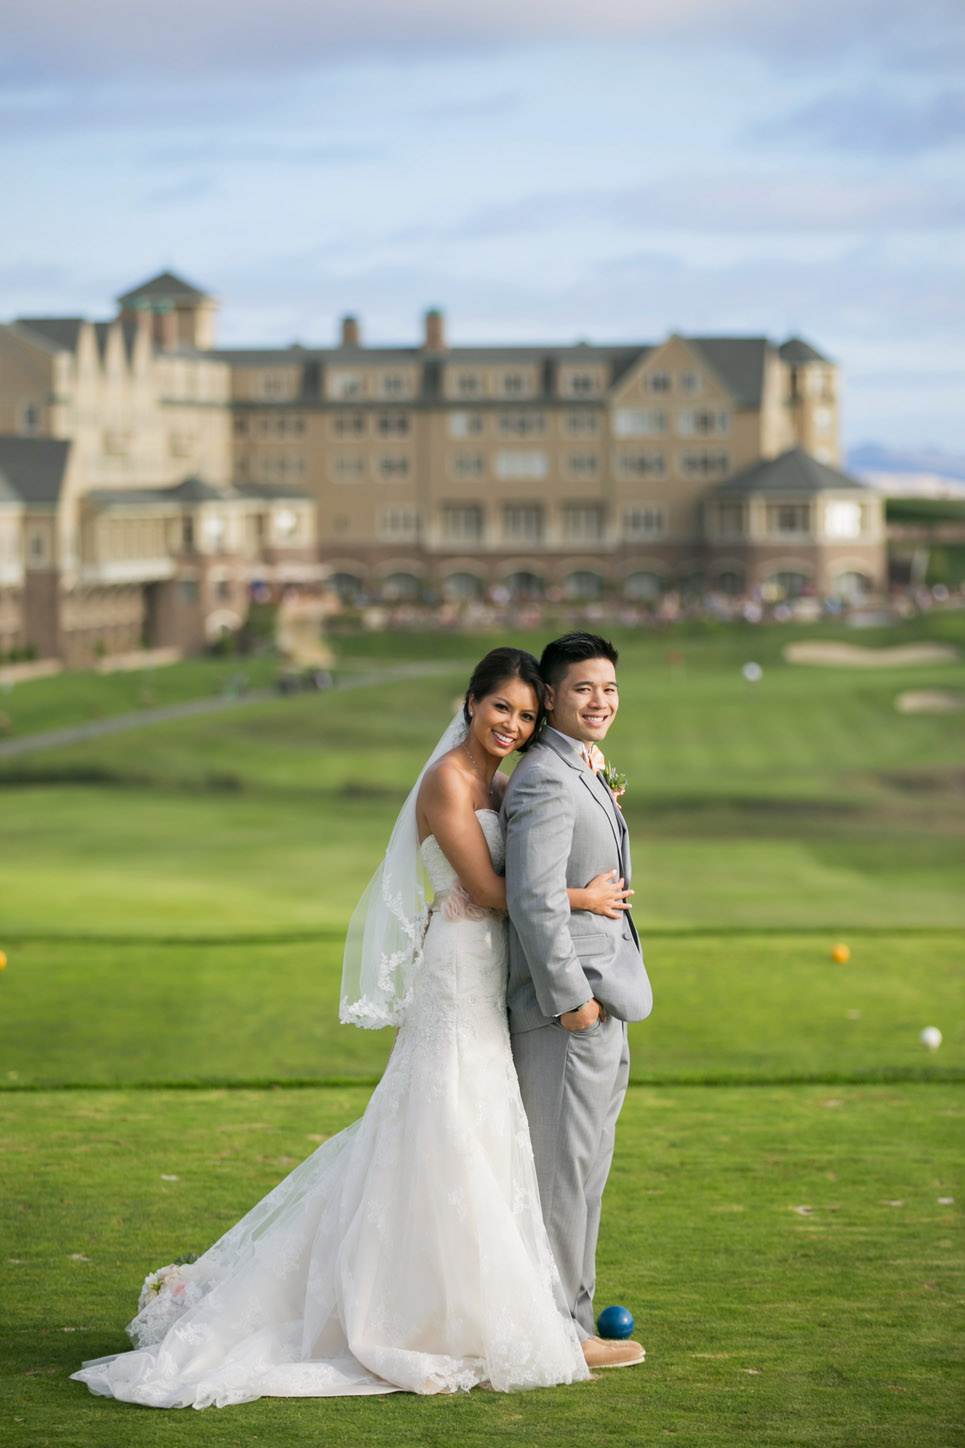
408	1252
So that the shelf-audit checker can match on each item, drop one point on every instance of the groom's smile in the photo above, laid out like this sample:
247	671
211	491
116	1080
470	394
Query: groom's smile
584	704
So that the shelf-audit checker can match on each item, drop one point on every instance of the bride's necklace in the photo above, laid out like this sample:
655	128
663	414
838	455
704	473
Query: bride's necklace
492	782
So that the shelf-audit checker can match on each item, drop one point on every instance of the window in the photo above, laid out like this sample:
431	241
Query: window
690	382
393	384
400	524
823	420
730	519
31	418
348	424
643	585
467	465
346	384
703	422
282	466
465	424
393	468
581	384
462	586
468	384
392	424
843	520
584	522
462	523
731	582
788	517
348	586
522	424
791	584
583	585
188	589
639	422
241	426
511	465
646	520
222	589
512	384
273	384
523	522
582	465
348	467
703	464
581	424
401	588
658	382
36	545
641	465
524	586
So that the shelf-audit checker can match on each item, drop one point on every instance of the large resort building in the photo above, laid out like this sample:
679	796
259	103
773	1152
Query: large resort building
149	481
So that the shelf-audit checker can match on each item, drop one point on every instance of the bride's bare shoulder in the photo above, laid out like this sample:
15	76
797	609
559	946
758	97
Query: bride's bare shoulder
447	779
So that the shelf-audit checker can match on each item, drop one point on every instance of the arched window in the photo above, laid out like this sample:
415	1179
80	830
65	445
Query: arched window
731	582
462	587
401	588
791	584
524	586
583	584
852	585
348	586
643	585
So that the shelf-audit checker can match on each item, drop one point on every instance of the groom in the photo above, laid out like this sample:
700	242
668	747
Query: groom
574	980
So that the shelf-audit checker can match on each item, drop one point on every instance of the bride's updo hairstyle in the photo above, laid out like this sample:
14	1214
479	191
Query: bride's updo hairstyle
495	669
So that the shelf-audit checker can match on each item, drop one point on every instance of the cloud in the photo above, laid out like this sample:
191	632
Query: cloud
737	203
58	39
873	120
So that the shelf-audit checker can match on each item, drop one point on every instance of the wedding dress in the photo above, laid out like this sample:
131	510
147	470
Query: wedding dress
408	1252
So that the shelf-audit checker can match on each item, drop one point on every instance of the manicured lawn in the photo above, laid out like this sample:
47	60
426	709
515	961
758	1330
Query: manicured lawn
173	901
728	1007
794	1275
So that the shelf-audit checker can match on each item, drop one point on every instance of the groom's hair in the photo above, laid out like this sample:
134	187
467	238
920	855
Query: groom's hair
573	648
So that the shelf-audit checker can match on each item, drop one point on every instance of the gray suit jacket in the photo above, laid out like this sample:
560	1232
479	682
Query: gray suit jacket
562	828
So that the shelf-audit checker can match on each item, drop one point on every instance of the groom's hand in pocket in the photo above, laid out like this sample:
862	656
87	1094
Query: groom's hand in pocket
584	1018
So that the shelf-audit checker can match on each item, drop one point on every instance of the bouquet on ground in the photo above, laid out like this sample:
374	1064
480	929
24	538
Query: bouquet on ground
172	1279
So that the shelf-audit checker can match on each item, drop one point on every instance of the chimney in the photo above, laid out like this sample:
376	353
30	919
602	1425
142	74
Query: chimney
435	338
351	332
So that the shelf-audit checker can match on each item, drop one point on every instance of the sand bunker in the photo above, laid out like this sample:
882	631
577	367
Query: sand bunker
854	656
930	701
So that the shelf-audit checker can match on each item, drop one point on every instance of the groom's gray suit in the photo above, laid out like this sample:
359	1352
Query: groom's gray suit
563	828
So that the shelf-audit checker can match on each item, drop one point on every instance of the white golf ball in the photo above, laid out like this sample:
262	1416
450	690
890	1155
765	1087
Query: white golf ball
753	673
931	1037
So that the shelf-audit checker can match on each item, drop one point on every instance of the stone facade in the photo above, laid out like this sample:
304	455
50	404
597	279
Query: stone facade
148	479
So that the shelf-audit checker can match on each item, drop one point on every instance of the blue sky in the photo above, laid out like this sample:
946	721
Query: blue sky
541	171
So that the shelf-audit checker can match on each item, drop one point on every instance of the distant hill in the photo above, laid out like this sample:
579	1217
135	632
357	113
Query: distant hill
909	472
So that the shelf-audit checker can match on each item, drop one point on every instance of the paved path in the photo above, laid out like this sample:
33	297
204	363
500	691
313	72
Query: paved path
191	708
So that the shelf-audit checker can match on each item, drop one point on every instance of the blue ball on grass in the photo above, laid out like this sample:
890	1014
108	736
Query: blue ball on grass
615	1322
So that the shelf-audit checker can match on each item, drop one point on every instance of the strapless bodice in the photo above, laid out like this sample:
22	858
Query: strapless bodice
442	876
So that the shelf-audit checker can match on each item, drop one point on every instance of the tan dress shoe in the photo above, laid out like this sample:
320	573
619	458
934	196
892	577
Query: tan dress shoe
604	1353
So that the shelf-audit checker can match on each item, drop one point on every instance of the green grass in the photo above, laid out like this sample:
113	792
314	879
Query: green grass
172	902
763	1325
758	1007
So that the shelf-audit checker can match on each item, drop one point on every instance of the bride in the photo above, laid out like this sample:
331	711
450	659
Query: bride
408	1252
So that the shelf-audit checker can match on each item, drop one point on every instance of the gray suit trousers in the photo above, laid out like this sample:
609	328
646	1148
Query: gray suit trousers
573	1084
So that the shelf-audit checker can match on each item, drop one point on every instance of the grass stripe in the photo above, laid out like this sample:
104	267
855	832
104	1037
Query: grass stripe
657	932
876	1076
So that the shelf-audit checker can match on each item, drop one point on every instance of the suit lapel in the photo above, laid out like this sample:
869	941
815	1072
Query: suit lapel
604	798
599	789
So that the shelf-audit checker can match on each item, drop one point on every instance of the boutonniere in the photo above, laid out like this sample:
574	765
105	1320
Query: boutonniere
616	782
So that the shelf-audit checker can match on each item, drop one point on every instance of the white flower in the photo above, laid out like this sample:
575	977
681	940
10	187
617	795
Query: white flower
165	1279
